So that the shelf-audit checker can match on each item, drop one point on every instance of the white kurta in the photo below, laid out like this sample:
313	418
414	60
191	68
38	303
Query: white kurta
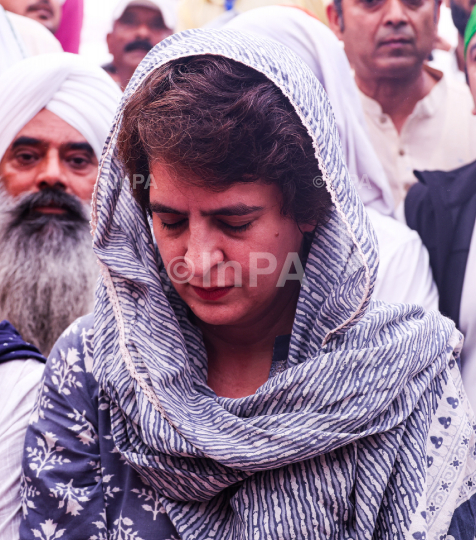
404	274
19	382
440	134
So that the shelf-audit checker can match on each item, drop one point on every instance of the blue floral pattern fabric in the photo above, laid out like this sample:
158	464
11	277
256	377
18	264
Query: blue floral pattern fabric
75	484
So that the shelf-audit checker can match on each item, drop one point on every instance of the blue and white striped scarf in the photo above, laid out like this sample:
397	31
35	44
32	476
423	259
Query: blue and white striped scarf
353	439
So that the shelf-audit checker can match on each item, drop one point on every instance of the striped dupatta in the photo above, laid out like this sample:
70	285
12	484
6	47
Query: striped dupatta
353	439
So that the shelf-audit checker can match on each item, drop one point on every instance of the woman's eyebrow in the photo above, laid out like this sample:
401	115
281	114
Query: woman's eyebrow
158	208
232	210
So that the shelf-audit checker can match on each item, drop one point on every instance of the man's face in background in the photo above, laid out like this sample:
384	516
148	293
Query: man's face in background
46	12
134	34
386	38
48	268
49	152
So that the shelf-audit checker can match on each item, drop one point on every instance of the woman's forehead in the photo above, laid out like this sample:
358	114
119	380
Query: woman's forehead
184	195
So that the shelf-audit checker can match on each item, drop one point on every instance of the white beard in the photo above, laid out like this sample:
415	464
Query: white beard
48	272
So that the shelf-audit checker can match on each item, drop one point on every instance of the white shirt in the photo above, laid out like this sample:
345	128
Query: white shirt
467	319
19	382
440	134
404	274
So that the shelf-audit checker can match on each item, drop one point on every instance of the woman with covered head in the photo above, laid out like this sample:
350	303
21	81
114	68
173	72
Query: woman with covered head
216	392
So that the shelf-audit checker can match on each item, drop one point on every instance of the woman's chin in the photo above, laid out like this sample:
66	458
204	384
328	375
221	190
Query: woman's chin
217	315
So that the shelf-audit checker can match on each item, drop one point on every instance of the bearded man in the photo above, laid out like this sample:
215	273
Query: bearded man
55	116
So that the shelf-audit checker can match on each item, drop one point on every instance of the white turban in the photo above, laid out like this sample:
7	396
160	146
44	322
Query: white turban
84	96
168	8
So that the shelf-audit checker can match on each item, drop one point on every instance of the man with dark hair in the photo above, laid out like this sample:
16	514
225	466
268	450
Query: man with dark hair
138	25
417	119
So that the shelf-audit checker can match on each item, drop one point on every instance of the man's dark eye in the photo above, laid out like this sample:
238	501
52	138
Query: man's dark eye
78	162
414	4
26	158
372	3
158	24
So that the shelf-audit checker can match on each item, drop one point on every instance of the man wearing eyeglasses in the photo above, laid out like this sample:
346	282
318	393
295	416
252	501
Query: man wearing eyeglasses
417	119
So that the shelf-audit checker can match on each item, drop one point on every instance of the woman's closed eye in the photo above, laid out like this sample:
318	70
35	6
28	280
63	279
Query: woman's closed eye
237	228
177	222
173	225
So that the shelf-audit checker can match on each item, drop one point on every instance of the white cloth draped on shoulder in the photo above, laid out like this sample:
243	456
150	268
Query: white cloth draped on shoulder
352	439
82	95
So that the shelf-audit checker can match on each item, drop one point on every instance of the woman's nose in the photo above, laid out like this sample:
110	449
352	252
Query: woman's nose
203	253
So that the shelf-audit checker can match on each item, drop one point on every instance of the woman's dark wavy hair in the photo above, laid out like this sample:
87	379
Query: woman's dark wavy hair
217	122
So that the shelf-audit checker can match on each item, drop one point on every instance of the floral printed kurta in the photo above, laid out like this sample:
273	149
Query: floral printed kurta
75	483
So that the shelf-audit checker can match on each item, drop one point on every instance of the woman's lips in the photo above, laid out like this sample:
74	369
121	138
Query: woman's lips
211	293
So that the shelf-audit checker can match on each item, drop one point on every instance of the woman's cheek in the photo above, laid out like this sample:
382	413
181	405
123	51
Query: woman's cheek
167	249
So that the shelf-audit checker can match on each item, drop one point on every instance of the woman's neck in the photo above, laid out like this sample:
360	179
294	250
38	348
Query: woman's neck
240	356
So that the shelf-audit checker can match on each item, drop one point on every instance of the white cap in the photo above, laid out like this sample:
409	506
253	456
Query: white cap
168	8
